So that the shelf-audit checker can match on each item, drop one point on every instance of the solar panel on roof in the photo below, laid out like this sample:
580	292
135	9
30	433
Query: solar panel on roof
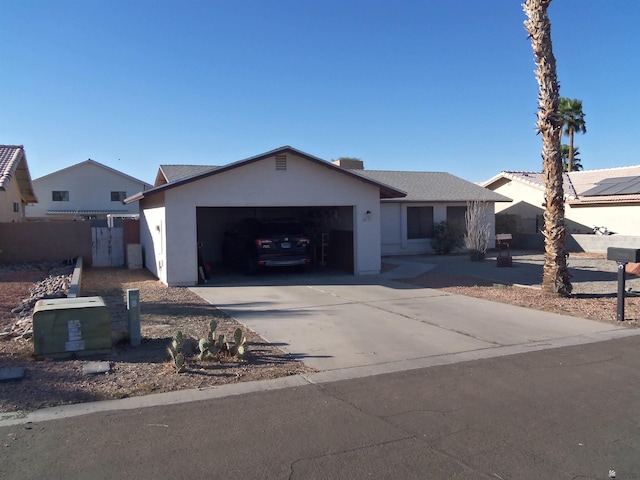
615	186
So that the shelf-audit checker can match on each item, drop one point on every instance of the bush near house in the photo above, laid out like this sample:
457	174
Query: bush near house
447	237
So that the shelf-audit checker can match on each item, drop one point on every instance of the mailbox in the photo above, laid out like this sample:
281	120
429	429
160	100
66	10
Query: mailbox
623	255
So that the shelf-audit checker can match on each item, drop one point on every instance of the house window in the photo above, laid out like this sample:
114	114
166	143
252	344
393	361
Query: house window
60	196
419	222
16	207
118	196
456	216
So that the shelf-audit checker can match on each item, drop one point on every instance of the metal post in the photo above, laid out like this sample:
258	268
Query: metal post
621	292
133	305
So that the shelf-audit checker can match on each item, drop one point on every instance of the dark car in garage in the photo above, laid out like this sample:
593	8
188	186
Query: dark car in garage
254	243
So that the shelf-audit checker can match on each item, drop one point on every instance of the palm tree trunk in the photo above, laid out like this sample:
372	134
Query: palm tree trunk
570	160
555	277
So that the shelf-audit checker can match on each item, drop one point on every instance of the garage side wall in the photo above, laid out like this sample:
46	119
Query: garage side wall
153	240
266	183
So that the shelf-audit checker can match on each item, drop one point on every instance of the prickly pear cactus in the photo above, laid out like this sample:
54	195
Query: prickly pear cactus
212	331
181	365
239	348
203	346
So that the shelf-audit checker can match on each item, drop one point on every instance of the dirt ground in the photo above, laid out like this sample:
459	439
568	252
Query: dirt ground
134	370
147	369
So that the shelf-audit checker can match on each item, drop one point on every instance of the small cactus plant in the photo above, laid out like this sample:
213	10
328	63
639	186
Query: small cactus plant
183	347
239	349
175	351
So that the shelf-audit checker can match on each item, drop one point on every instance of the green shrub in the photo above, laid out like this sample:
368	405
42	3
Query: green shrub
446	237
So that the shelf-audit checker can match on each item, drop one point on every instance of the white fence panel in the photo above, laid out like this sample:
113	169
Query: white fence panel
107	247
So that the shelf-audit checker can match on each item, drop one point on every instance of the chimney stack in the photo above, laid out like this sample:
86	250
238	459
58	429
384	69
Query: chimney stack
349	163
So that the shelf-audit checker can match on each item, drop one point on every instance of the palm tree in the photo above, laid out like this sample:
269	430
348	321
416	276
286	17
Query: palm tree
555	275
564	151
570	111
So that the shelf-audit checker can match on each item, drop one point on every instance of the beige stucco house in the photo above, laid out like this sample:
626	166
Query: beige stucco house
365	214
86	190
16	189
608	198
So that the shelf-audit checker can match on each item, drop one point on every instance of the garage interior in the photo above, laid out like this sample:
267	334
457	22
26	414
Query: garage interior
330	229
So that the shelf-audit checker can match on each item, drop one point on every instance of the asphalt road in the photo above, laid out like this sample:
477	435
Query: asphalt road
563	413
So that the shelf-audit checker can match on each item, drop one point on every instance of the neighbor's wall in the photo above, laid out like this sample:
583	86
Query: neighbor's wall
8	197
600	243
527	204
620	219
26	242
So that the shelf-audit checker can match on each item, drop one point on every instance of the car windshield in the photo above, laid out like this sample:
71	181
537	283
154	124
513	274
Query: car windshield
282	228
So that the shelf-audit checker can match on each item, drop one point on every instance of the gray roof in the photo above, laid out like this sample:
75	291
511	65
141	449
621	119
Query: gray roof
172	173
386	191
432	186
13	162
97	164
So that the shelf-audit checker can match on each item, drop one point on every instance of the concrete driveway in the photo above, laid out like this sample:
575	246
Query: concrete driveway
333	321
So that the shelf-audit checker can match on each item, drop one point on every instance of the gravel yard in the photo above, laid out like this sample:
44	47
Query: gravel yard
134	371
147	369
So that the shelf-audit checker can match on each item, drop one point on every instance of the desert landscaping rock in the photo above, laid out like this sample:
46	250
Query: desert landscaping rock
133	371
11	374
55	285
93	368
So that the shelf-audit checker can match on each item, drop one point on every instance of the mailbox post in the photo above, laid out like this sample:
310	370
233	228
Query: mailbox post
622	256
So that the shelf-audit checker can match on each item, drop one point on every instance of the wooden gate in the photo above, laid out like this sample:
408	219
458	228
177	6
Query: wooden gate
107	248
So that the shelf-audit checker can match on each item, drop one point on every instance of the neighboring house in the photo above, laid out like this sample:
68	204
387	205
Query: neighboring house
85	191
608	198
184	217
16	189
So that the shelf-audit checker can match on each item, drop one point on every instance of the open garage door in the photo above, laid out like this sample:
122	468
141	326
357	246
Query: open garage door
330	229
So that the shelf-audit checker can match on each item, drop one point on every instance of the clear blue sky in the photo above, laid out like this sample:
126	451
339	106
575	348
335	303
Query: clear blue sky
430	85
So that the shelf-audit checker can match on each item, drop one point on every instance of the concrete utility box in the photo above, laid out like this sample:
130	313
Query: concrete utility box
67	327
134	256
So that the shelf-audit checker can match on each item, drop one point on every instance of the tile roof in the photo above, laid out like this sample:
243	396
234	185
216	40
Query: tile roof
432	186
577	183
13	162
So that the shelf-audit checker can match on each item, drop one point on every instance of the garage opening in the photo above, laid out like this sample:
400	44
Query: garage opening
329	229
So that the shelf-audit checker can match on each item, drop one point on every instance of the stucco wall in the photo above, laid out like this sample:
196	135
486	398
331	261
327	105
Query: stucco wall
623	219
394	227
303	183
89	188
7	198
153	239
527	203
45	242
